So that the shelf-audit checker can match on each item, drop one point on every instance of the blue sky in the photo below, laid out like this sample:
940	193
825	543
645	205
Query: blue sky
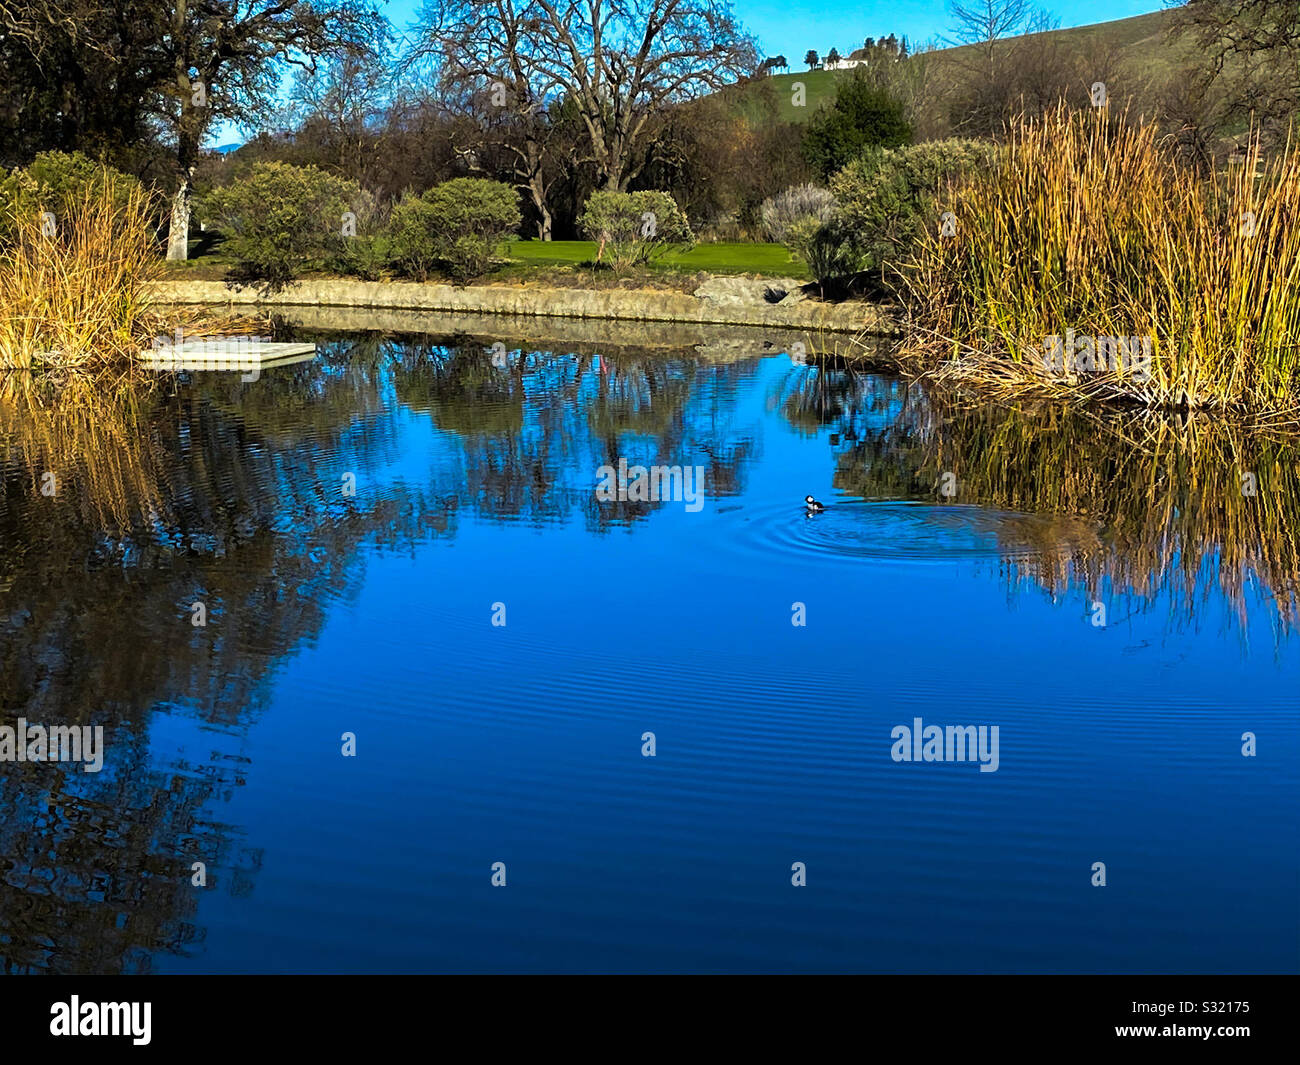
791	27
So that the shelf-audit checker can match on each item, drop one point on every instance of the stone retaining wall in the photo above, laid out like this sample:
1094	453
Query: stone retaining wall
778	303
712	343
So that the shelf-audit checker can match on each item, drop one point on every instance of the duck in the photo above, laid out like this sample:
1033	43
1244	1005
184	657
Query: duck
813	506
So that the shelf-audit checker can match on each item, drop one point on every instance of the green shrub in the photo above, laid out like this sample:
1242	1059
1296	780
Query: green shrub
632	227
59	182
363	257
279	217
832	256
412	242
799	235
364	253
889	197
458	225
864	115
807	221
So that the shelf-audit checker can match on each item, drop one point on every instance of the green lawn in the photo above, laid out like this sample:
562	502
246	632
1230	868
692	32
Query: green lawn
554	261
771	259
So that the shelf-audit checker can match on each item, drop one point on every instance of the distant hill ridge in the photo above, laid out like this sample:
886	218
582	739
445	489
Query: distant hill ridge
1141	39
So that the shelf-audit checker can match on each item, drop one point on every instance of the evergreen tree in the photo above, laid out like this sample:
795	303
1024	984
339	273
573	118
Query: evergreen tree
863	115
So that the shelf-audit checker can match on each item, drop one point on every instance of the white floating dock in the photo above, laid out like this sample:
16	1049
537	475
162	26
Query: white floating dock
225	353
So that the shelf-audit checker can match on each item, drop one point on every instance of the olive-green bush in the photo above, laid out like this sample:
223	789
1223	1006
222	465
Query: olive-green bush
633	227
278	219
457	225
58	183
887	197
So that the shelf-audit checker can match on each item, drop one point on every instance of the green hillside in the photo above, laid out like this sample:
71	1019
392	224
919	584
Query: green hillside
1140	43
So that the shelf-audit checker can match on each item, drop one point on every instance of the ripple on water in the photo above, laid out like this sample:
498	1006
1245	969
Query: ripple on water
886	531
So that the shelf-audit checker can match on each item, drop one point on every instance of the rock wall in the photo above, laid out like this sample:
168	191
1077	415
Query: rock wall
778	303
714	343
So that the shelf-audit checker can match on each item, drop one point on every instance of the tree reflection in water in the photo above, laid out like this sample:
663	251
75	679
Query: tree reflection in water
211	489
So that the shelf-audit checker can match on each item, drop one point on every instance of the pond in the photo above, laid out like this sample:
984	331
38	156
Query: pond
401	666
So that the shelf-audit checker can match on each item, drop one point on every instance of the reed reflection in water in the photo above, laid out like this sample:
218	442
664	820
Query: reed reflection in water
1141	503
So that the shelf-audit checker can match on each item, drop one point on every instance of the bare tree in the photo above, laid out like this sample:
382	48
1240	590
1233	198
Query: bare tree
618	62
1252	55
985	23
220	60
344	103
481	52
999	76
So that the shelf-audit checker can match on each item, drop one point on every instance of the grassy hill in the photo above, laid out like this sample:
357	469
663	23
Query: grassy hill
1140	42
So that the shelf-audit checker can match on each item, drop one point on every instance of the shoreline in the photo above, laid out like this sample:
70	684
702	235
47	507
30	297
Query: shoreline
719	300
716	343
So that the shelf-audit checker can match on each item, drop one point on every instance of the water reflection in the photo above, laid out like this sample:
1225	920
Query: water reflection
534	429
205	488
1136	504
162	499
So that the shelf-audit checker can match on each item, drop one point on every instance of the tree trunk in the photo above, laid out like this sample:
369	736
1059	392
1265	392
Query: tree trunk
537	190
189	135
187	142
178	233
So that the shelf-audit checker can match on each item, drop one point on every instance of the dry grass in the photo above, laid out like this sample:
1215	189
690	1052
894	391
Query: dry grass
75	316
1090	223
75	300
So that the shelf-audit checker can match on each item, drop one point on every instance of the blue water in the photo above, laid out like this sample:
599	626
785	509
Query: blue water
522	743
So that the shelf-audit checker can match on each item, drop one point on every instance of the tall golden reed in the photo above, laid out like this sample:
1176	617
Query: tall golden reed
1090	223
76	299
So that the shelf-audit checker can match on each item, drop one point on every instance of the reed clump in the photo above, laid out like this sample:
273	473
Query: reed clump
74	289
1088	225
